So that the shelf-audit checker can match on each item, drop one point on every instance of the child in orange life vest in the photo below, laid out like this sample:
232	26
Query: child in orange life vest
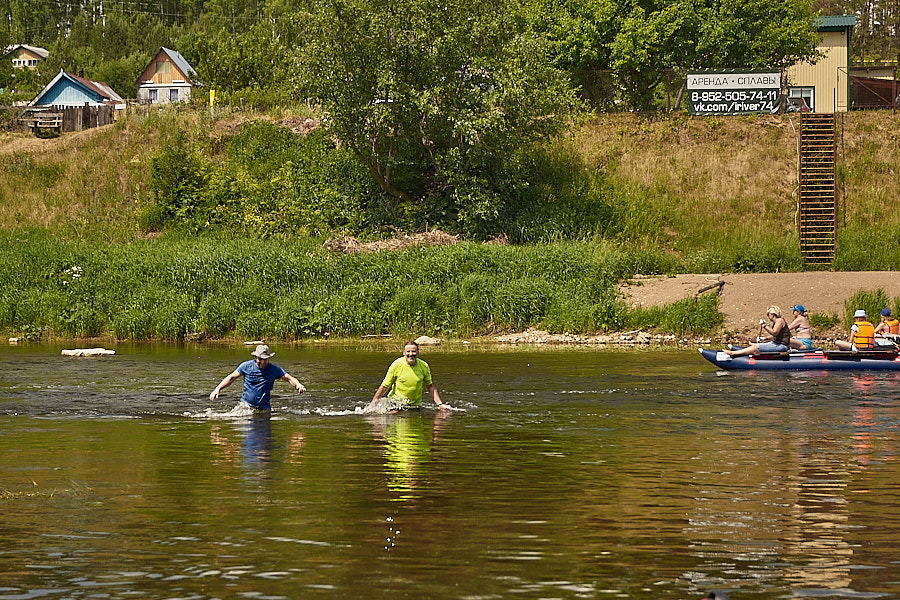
862	334
888	323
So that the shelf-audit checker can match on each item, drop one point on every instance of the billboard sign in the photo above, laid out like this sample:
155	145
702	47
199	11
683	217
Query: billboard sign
733	92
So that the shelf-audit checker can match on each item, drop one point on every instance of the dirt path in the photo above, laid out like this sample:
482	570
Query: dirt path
745	297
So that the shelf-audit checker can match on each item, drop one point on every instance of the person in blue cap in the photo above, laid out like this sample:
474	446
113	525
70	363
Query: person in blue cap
888	323
801	338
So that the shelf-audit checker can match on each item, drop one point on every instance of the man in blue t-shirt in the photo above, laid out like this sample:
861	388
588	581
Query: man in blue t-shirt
259	378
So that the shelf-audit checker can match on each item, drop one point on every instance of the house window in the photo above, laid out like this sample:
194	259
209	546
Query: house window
173	95
151	95
807	93
163	66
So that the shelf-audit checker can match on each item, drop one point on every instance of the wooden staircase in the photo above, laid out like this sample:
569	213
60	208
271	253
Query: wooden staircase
817	211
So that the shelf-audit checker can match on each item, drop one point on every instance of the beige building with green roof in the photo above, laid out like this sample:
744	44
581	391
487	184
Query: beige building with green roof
825	86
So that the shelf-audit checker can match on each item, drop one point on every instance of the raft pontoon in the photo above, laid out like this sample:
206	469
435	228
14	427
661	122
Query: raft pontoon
880	359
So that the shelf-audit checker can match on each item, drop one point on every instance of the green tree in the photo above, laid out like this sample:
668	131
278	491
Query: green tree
755	34
253	59
114	49
233	16
30	21
875	37
26	81
121	74
650	39
434	97
636	40
6	69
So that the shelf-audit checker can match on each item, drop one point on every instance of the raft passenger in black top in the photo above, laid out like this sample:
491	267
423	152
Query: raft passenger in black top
777	328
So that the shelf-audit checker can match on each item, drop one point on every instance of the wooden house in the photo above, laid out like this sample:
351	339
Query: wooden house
72	103
71	90
167	78
24	56
825	86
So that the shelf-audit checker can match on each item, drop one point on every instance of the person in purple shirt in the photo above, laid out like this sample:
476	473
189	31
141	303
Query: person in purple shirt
259	378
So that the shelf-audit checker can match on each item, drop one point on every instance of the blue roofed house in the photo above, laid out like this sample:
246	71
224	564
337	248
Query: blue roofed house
72	103
71	90
167	78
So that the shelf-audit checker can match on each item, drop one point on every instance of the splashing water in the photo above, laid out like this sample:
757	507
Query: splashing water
241	410
384	405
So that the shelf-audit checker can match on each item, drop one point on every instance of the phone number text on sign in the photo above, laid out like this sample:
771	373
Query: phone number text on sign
733	93
735	96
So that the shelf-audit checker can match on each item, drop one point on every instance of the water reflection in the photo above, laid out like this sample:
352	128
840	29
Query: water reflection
807	504
407	439
257	443
406	445
820	557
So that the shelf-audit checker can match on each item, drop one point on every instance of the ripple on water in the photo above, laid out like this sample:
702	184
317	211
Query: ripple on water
567	475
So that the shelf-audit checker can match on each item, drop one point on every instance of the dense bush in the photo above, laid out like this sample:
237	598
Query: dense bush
183	286
269	180
8	116
178	178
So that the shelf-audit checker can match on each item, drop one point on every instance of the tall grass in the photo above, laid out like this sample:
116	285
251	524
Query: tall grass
871	301
180	287
686	316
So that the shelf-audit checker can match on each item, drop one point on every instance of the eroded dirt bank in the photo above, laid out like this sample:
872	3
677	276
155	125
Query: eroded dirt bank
745	297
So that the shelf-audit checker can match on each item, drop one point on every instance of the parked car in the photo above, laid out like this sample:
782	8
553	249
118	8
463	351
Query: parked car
796	105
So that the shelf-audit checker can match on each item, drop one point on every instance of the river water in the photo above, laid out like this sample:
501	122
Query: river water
566	473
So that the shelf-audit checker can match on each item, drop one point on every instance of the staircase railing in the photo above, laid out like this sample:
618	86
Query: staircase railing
817	211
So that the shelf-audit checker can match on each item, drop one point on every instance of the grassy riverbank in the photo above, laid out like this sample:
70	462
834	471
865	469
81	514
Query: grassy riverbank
718	193
727	187
79	255
180	287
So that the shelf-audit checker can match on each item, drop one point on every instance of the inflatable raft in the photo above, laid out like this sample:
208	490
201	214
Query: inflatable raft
886	359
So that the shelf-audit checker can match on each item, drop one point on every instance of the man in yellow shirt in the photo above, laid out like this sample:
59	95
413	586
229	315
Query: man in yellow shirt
405	379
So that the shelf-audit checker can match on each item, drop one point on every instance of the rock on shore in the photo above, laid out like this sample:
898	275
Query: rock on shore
88	352
625	338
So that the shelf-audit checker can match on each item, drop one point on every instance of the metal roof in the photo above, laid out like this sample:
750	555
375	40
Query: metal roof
42	52
180	62
106	92
97	91
835	22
